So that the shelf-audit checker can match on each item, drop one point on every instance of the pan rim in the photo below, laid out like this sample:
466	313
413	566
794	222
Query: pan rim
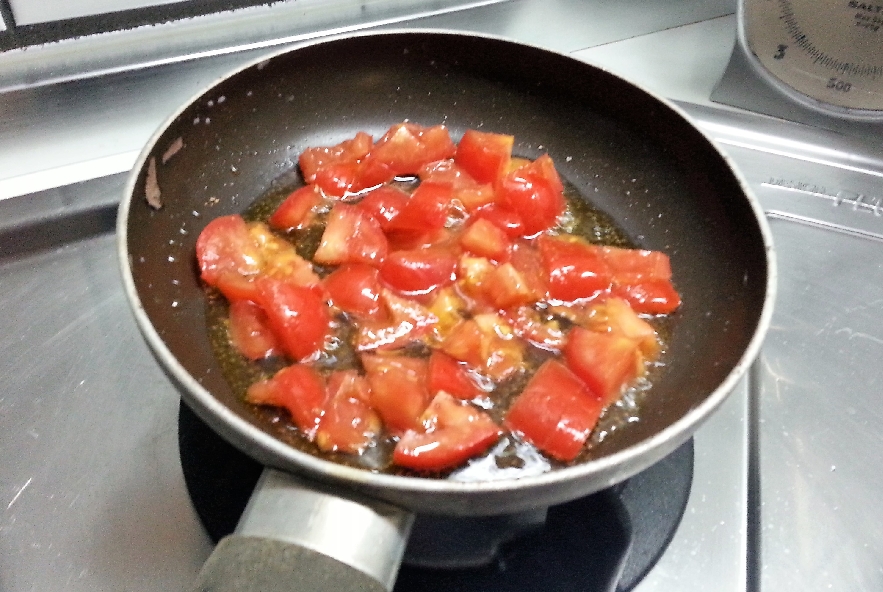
259	444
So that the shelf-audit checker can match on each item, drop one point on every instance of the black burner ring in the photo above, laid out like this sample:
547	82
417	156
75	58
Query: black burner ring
603	542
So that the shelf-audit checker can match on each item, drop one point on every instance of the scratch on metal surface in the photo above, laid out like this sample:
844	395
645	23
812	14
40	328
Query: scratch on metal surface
865	306
852	334
18	494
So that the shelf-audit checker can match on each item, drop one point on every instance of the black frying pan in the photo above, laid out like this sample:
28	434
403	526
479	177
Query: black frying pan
635	156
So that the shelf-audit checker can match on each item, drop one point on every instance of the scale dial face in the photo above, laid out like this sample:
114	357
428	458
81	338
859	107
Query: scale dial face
828	50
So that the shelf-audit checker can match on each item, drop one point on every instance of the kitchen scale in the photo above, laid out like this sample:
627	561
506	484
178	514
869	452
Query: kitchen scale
816	62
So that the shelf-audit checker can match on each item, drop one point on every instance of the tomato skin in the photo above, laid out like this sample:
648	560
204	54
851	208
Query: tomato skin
643	278
507	288
485	239
635	265
406	321
297	316
529	192
385	204
349	423
544	168
448	375
469	192
546	334
526	259
485	156
651	297
312	160
487	343
606	362
338	179
351	236
426	210
453	431
506	220
228	257
406	147
399	390
355	288
575	269
622	319
419	271
299	389
279	258
556	411
249	331
493	287
297	209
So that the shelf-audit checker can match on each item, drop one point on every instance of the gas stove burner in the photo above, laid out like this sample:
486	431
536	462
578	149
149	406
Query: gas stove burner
603	542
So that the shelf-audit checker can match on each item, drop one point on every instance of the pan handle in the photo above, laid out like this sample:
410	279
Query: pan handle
298	535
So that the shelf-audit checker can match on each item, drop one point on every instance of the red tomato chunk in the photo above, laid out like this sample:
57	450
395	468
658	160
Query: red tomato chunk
444	272
452	432
556	411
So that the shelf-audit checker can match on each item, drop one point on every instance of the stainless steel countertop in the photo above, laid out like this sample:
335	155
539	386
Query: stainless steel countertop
787	473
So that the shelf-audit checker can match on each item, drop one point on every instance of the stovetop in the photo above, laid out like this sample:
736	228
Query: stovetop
786	475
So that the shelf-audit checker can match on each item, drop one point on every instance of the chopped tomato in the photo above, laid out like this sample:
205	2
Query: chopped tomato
419	271
606	362
349	423
506	220
487	343
575	269
448	375
485	239
452	432
616	316
485	156
279	258
445	171
643	278
338	179
442	291
527	260
507	287
473	274
355	288
427	210
297	388
297	209
533	194
312	160
556	411
372	174
544	168
297	316
399	390
630	266
384	203
406	147
544	333
466	190
651	297
406	321
228	258
351	236
249	331
494	287
448	307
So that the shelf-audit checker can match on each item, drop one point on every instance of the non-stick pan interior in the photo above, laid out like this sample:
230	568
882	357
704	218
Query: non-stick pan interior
630	154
